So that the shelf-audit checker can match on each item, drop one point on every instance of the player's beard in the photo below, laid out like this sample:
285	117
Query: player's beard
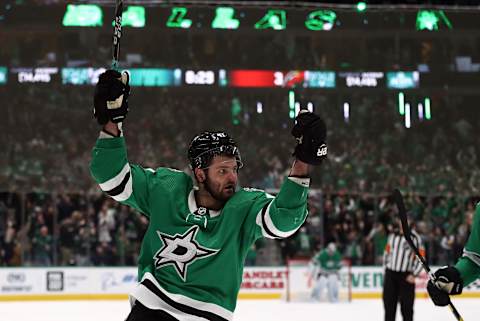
221	195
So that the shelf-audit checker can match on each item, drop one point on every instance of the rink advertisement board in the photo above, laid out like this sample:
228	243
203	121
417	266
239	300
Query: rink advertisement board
67	283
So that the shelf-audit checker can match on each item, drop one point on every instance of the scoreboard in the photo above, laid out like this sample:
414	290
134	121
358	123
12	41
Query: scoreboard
34	75
287	79
236	78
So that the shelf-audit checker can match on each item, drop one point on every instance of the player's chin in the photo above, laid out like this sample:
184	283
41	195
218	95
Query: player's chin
228	192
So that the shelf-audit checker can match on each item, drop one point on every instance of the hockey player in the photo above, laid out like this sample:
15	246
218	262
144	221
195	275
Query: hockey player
327	264
452	279
192	255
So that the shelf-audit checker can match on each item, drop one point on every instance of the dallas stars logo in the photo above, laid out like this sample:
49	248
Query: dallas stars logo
181	251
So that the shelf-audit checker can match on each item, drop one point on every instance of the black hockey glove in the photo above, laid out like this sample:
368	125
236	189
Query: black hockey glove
311	133
449	282
111	97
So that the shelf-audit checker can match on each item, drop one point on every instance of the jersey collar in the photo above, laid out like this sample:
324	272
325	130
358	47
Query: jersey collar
193	207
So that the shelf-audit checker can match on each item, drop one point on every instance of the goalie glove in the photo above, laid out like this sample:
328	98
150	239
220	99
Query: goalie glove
449	282
310	132
111	97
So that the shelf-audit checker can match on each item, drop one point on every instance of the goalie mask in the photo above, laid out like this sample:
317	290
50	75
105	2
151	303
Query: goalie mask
207	145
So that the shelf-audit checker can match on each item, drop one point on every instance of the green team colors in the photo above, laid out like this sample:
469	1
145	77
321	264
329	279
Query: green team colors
469	264
327	262
191	259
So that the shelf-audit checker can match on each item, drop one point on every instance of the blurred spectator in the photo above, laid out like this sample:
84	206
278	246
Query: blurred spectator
106	224
42	247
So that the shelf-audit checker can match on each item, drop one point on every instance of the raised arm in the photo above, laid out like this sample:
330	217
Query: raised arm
281	216
109	166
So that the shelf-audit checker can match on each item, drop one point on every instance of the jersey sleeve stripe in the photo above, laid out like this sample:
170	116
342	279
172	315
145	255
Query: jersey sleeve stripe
116	180
269	226
260	222
120	187
127	191
474	257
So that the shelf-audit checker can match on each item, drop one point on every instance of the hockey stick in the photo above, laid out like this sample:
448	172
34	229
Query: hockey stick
398	198
117	33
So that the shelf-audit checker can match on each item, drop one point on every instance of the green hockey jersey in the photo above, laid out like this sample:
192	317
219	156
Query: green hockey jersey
191	260
469	264
328	263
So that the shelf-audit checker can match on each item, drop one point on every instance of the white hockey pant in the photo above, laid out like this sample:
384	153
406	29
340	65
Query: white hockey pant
330	282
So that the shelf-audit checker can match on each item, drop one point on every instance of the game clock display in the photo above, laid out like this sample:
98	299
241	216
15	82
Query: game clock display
200	77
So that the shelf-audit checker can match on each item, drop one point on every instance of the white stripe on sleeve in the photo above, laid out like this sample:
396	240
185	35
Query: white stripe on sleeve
115	181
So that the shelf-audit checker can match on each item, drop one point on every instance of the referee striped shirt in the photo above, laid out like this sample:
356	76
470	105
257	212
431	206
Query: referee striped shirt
399	257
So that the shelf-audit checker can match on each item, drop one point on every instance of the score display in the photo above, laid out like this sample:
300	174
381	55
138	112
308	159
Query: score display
200	77
320	79
81	76
236	78
286	79
362	79
155	77
403	79
35	75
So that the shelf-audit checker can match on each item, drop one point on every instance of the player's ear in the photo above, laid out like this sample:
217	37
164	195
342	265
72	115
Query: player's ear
200	175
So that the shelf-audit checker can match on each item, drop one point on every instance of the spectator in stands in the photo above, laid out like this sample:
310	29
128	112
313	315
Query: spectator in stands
42	247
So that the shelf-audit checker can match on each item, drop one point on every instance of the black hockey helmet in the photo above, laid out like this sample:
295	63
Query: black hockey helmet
206	145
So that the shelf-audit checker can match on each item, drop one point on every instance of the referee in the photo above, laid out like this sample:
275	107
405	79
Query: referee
401	268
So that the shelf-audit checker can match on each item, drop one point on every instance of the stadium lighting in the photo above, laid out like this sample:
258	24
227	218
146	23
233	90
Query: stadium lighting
259	107
420	111
297	108
401	103
408	122
346	111
428	112
3	75
236	109
291	104
361	6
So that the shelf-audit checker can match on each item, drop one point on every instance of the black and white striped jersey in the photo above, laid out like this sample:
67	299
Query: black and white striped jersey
399	257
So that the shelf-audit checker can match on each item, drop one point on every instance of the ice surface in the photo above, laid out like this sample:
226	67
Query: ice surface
247	310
